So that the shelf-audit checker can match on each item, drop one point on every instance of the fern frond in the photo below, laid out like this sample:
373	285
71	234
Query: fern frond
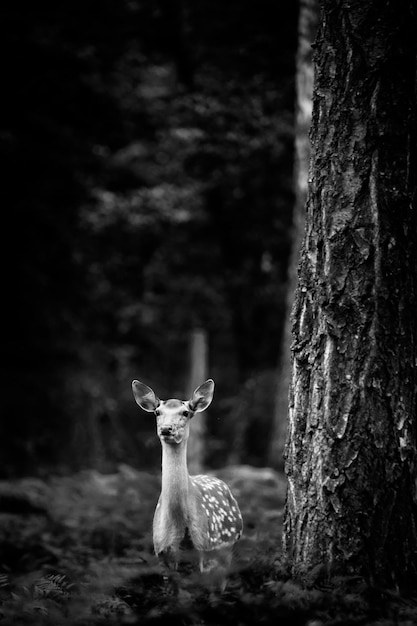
4	581
53	586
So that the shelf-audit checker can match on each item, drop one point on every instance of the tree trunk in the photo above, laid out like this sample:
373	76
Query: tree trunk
351	450
198	374
307	26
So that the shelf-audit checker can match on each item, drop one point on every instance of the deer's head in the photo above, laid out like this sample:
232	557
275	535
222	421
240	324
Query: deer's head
173	416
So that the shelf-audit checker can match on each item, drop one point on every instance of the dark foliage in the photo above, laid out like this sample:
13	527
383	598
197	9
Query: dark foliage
147	160
89	561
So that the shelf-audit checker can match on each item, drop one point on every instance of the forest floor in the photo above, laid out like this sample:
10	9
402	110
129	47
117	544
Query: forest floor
78	550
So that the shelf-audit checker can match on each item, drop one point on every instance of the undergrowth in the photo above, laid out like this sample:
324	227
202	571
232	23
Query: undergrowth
79	552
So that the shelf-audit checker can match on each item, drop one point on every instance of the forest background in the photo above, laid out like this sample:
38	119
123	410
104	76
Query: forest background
151	197
147	152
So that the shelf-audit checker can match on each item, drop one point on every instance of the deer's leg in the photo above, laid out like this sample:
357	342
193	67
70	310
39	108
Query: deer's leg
169	558
214	565
169	562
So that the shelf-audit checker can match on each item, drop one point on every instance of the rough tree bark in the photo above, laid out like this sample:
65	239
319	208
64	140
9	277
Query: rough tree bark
307	26
351	449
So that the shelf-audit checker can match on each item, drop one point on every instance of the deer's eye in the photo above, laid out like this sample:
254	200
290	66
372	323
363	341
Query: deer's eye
186	413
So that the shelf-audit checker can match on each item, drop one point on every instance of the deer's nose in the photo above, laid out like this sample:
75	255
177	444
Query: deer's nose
165	431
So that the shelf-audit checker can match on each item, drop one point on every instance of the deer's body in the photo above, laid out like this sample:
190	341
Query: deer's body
198	512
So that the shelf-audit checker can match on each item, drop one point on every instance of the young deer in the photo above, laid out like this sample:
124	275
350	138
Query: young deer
200	510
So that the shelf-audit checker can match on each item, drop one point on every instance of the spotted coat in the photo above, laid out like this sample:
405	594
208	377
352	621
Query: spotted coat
220	512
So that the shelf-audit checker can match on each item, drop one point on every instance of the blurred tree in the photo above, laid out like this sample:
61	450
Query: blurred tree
307	27
351	453
198	362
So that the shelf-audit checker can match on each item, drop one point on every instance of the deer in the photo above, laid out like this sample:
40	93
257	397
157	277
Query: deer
199	512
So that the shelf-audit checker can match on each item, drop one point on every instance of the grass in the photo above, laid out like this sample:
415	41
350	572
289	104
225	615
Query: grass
78	550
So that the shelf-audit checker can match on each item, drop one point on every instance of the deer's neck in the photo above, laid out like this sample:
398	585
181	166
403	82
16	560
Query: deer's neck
175	478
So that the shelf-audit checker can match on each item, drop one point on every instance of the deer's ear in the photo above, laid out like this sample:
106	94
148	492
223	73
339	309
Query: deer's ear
202	396
145	396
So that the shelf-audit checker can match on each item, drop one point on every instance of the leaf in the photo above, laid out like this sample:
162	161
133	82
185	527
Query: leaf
4	581
53	586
